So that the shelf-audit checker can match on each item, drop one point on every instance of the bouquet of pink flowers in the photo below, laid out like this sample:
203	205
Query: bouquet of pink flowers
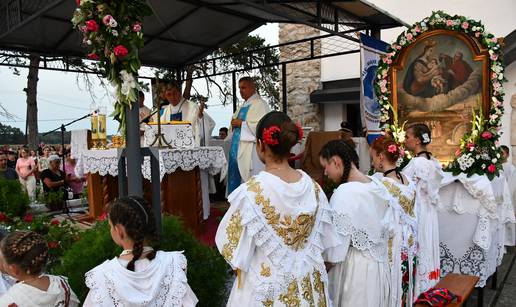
112	34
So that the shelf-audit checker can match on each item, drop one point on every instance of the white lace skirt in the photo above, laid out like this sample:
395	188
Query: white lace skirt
359	281
428	267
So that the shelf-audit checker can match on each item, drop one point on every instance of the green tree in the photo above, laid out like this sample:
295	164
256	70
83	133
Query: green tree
11	135
249	52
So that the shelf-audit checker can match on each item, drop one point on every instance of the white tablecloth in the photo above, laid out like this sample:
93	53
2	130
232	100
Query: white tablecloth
210	160
177	135
471	226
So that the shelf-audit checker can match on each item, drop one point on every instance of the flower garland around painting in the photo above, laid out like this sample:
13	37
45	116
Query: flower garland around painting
479	151
112	34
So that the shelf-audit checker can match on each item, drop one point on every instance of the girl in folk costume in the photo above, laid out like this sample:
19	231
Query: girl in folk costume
426	173
277	228
385	153
360	275
140	276
24	256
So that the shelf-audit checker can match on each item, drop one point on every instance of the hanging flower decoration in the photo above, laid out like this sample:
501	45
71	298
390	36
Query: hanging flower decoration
112	34
485	134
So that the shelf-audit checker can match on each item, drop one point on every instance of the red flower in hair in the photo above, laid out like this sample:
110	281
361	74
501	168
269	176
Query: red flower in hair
269	137
299	131
392	148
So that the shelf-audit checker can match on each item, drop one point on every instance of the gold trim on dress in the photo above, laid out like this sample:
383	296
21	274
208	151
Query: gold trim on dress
405	203
233	232
306	287
293	231
319	288
265	271
291	298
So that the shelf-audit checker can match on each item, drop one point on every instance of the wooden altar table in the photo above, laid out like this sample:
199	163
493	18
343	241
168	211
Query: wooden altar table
180	177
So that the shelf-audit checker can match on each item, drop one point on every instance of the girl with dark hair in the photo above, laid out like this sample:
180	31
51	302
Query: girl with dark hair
278	227
24	255
360	275
140	276
425	171
385	154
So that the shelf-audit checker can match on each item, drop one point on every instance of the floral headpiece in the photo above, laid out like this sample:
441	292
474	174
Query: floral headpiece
299	131
270	135
426	138
394	148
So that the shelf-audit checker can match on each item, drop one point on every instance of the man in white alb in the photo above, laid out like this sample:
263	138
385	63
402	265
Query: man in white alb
243	160
181	109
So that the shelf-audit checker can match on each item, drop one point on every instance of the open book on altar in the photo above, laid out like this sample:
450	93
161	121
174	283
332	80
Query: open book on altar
179	134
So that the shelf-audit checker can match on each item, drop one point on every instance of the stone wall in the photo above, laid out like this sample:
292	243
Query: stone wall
302	77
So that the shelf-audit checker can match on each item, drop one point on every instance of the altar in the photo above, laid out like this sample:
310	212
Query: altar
183	191
474	214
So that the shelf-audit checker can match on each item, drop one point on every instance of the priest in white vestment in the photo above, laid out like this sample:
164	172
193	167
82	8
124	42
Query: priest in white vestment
181	109
243	160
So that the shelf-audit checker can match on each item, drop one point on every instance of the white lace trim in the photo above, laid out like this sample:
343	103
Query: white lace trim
105	162
373	243
103	287
287	264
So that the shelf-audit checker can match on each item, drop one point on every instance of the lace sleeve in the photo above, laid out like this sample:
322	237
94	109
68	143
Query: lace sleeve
232	240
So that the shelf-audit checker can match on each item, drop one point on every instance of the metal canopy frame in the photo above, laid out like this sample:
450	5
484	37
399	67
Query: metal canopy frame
339	18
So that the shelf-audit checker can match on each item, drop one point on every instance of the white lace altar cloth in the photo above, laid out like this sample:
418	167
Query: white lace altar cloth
105	162
471	226
177	135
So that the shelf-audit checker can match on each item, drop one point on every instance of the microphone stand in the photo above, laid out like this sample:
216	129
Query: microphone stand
63	129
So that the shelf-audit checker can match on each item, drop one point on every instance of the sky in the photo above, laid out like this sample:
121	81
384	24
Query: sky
62	99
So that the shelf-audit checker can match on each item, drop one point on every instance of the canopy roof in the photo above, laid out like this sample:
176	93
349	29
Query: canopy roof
181	31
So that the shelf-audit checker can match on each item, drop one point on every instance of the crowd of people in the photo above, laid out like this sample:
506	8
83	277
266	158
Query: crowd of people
375	242
41	168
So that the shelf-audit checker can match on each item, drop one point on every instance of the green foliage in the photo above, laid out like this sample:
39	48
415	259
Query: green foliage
250	50
207	270
53	200
13	200
94	247
11	135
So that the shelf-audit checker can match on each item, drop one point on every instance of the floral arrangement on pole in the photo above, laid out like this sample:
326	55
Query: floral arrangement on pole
112	33
477	153
491	126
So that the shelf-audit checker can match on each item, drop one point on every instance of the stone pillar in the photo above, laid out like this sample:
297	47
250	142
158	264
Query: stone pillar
302	77
513	128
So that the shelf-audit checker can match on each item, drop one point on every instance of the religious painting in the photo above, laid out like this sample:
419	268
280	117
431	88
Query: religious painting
438	80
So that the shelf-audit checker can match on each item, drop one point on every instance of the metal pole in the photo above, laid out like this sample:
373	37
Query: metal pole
233	74
133	154
284	86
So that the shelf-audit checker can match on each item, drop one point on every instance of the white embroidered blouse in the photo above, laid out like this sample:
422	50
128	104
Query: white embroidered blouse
274	235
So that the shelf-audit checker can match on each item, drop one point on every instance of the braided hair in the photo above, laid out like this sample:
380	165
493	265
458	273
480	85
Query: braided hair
26	249
135	214
345	152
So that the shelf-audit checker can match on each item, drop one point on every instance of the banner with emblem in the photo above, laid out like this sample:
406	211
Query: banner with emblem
370	51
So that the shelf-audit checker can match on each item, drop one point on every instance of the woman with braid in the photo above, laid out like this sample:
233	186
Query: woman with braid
140	276
24	256
359	272
426	173
385	154
277	227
